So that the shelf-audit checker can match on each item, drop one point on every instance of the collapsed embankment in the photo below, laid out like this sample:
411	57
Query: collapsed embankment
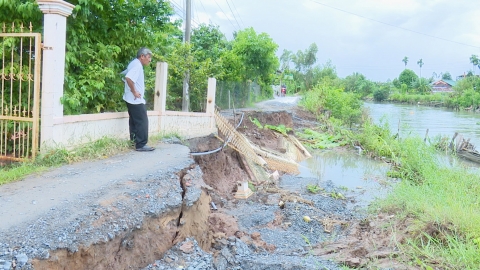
119	213
153	211
140	244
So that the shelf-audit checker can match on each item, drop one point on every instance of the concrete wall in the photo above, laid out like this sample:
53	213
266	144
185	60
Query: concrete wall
74	130
71	131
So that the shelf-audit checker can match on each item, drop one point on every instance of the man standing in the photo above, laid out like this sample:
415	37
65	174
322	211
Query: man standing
134	97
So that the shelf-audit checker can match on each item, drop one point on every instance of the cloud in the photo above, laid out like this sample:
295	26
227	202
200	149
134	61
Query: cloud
367	36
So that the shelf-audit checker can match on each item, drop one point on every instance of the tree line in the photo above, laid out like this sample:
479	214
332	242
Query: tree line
104	35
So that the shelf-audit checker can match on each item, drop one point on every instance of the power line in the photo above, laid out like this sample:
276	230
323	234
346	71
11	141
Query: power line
391	25
239	27
224	14
177	7
210	18
181	9
203	7
233	3
195	13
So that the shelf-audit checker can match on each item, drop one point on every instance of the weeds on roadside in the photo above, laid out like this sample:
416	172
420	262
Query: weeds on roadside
252	187
280	129
430	192
256	122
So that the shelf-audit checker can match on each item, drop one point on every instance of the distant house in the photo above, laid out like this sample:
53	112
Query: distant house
466	75
443	86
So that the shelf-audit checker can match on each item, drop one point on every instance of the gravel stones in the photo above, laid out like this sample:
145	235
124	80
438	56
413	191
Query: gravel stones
131	187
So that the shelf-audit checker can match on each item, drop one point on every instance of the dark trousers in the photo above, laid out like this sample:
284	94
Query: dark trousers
138	124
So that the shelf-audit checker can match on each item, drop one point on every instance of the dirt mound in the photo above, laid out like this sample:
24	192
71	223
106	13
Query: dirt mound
368	242
223	170
328	229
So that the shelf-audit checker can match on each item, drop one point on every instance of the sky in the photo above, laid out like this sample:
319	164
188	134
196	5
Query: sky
370	37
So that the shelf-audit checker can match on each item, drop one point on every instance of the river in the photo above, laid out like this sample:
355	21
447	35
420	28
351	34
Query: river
416	119
364	178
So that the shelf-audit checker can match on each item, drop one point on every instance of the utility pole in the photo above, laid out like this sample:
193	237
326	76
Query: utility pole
186	79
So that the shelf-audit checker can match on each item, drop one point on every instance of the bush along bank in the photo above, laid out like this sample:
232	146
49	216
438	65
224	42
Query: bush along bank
438	203
434	204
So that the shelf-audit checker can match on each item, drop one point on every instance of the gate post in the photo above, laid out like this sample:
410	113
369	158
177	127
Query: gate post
160	97
212	87
53	69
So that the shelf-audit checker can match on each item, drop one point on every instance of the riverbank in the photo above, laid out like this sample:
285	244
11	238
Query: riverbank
131	209
155	211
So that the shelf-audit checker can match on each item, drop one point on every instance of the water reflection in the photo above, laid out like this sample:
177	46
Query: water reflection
360	175
416	119
366	177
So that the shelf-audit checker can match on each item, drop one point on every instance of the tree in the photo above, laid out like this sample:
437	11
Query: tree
103	36
208	41
285	59
359	84
21	11
381	93
405	60
446	76
420	64
304	61
257	55
421	85
475	61
407	76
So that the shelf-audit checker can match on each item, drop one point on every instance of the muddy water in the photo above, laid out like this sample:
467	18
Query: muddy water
361	177
416	119
367	178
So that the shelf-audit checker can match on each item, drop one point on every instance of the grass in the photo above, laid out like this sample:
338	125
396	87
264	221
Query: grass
100	149
439	203
443	200
314	188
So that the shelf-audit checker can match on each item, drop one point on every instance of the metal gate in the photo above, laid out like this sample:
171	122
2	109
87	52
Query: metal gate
20	52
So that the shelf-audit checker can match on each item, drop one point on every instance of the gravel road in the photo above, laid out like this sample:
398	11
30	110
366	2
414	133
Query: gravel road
87	203
91	204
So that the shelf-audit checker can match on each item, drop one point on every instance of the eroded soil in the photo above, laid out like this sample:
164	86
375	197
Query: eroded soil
179	213
273	219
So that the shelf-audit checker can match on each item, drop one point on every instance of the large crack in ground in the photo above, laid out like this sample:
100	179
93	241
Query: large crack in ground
143	244
260	233
164	221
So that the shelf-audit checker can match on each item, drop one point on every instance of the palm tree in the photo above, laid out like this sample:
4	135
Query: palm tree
405	60
420	63
475	62
421	85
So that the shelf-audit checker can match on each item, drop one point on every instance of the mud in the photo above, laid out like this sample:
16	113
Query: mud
119	213
271	223
152	237
181	213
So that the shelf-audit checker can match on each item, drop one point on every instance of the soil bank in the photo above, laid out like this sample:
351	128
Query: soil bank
167	210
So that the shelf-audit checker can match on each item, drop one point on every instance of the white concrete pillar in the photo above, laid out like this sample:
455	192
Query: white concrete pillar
160	99
212	87
53	69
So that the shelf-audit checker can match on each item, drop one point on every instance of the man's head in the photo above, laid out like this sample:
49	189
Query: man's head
144	55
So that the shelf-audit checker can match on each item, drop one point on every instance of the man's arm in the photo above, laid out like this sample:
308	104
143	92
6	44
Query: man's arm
131	84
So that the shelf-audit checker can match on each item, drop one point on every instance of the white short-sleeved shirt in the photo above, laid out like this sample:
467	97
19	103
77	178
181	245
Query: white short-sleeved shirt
134	72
